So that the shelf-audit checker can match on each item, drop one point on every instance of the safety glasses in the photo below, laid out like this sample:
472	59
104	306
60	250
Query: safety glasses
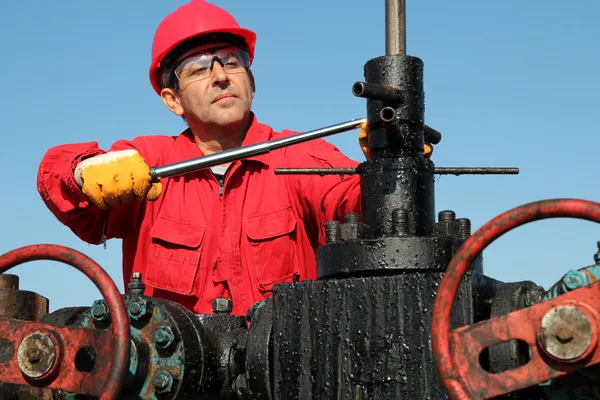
199	66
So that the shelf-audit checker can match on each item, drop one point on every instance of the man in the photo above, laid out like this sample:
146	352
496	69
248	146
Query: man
234	231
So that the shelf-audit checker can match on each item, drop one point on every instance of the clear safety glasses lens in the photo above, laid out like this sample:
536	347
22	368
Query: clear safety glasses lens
199	66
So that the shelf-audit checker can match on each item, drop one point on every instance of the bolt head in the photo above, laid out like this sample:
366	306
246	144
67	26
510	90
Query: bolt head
566	333
99	310
164	337
34	355
350	231
573	280
37	355
163	382
137	309
221	305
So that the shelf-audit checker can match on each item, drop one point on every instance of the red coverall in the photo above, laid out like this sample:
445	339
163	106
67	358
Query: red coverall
200	241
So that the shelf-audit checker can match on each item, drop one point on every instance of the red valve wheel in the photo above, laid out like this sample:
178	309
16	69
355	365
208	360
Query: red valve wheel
112	347
457	352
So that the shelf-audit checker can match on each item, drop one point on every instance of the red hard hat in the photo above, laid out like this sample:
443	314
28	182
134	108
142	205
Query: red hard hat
193	19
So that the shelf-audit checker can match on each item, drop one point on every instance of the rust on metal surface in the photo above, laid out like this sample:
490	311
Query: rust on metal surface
111	347
26	335
8	281
66	376
589	274
467	343
37	355
22	304
457	352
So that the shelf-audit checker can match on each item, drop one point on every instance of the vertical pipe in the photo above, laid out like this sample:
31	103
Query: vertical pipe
395	27
397	175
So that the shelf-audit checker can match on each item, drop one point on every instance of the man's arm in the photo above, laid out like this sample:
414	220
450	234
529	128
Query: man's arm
326	197
62	195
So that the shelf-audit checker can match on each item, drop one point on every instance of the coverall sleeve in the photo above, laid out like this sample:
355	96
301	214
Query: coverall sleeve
325	197
60	193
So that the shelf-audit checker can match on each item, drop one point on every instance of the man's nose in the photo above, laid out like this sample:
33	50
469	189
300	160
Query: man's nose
218	73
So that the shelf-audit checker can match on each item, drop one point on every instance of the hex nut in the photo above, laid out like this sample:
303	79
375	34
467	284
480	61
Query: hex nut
350	231
163	382
99	311
164	337
138	308
222	305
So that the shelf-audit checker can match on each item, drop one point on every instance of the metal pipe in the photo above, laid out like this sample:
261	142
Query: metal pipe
476	171
316	171
376	92
437	171
180	168
431	135
395	27
387	114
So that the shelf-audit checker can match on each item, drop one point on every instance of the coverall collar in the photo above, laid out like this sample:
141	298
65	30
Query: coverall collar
257	133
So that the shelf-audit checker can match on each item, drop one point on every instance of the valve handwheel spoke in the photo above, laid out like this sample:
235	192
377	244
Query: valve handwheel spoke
562	333
46	354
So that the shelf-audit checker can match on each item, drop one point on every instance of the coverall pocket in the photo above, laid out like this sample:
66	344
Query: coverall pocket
272	247
174	255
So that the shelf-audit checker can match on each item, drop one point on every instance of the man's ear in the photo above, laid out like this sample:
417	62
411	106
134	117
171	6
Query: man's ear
170	99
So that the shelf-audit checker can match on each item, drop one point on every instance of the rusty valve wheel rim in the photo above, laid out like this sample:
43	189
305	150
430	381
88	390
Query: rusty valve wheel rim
461	262
106	286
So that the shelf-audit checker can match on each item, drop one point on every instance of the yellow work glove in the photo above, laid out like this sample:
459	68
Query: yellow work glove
363	140
116	178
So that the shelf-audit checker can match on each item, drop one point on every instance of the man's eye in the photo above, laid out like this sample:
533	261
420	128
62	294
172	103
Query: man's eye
199	70
233	64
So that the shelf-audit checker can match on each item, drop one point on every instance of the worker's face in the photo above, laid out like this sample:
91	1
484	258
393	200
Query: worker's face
215	86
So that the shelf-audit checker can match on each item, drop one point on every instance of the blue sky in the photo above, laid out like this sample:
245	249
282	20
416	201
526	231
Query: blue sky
507	83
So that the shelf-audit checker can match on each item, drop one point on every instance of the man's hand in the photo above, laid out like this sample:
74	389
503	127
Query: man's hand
116	178
363	140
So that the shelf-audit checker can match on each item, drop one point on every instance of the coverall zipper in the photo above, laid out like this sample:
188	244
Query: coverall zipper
224	226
